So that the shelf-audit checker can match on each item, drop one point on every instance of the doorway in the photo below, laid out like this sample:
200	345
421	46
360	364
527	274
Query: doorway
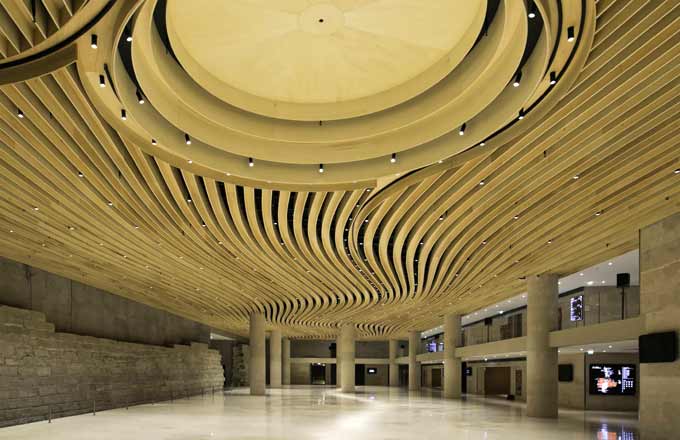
318	374
359	374
334	374
496	381
403	375
463	380
436	378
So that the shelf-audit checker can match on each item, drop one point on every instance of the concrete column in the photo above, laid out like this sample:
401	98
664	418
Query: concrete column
285	362
394	367
257	365
275	359
347	358
452	363
659	385
338	350
541	358
413	364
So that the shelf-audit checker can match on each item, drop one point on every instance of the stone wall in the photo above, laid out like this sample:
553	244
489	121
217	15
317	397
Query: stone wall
660	312
43	373
77	308
239	366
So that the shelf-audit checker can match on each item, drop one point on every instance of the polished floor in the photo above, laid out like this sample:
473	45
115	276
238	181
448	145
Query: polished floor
324	413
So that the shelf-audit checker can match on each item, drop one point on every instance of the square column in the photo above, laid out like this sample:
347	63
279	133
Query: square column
659	386
394	367
413	364
542	399
285	362
275	359
257	364
347	336
452	364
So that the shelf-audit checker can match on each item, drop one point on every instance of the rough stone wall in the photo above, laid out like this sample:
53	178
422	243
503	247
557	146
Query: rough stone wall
239	369
44	373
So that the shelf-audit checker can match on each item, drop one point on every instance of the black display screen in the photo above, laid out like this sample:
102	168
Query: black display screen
612	379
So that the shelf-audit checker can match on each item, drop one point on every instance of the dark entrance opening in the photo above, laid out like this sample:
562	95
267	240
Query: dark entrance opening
463	380
318	374
437	378
359	377
334	374
403	375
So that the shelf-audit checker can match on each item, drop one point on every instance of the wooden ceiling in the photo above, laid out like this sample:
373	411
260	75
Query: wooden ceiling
85	195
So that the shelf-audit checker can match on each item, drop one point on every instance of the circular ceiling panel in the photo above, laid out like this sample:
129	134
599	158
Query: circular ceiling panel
321	60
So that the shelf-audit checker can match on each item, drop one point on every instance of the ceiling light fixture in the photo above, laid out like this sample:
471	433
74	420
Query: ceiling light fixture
532	11
80	174
393	159
250	162
571	34
153	142
123	115
461	132
187	139
140	97
518	79
20	114
553	78
321	168
521	114
93	41
102	81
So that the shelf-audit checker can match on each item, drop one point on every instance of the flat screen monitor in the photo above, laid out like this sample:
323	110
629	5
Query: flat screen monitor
565	372
658	347
576	308
612	379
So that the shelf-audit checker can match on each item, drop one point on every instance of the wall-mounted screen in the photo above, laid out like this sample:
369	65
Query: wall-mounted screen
612	379
576	308
432	347
372	370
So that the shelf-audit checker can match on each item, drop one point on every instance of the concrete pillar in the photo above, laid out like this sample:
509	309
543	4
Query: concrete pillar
347	358
257	365
542	383
413	364
338	350
394	367
275	359
452	363
659	385
285	362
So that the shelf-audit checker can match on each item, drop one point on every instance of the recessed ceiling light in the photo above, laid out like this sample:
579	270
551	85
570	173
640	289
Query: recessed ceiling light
20	114
571	34
461	131
590	283
321	168
187	139
393	159
102	81
251	163
521	114
677	171
140	97
518	78
553	78
153	142
93	41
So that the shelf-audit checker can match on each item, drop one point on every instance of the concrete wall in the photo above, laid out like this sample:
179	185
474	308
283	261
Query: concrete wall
475	382
320	349
660	311
46	374
577	395
382	376
84	310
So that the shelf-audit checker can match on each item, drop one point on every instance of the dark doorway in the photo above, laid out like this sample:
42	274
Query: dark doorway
403	375
436	378
359	374
496	381
463	380
318	374
334	374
